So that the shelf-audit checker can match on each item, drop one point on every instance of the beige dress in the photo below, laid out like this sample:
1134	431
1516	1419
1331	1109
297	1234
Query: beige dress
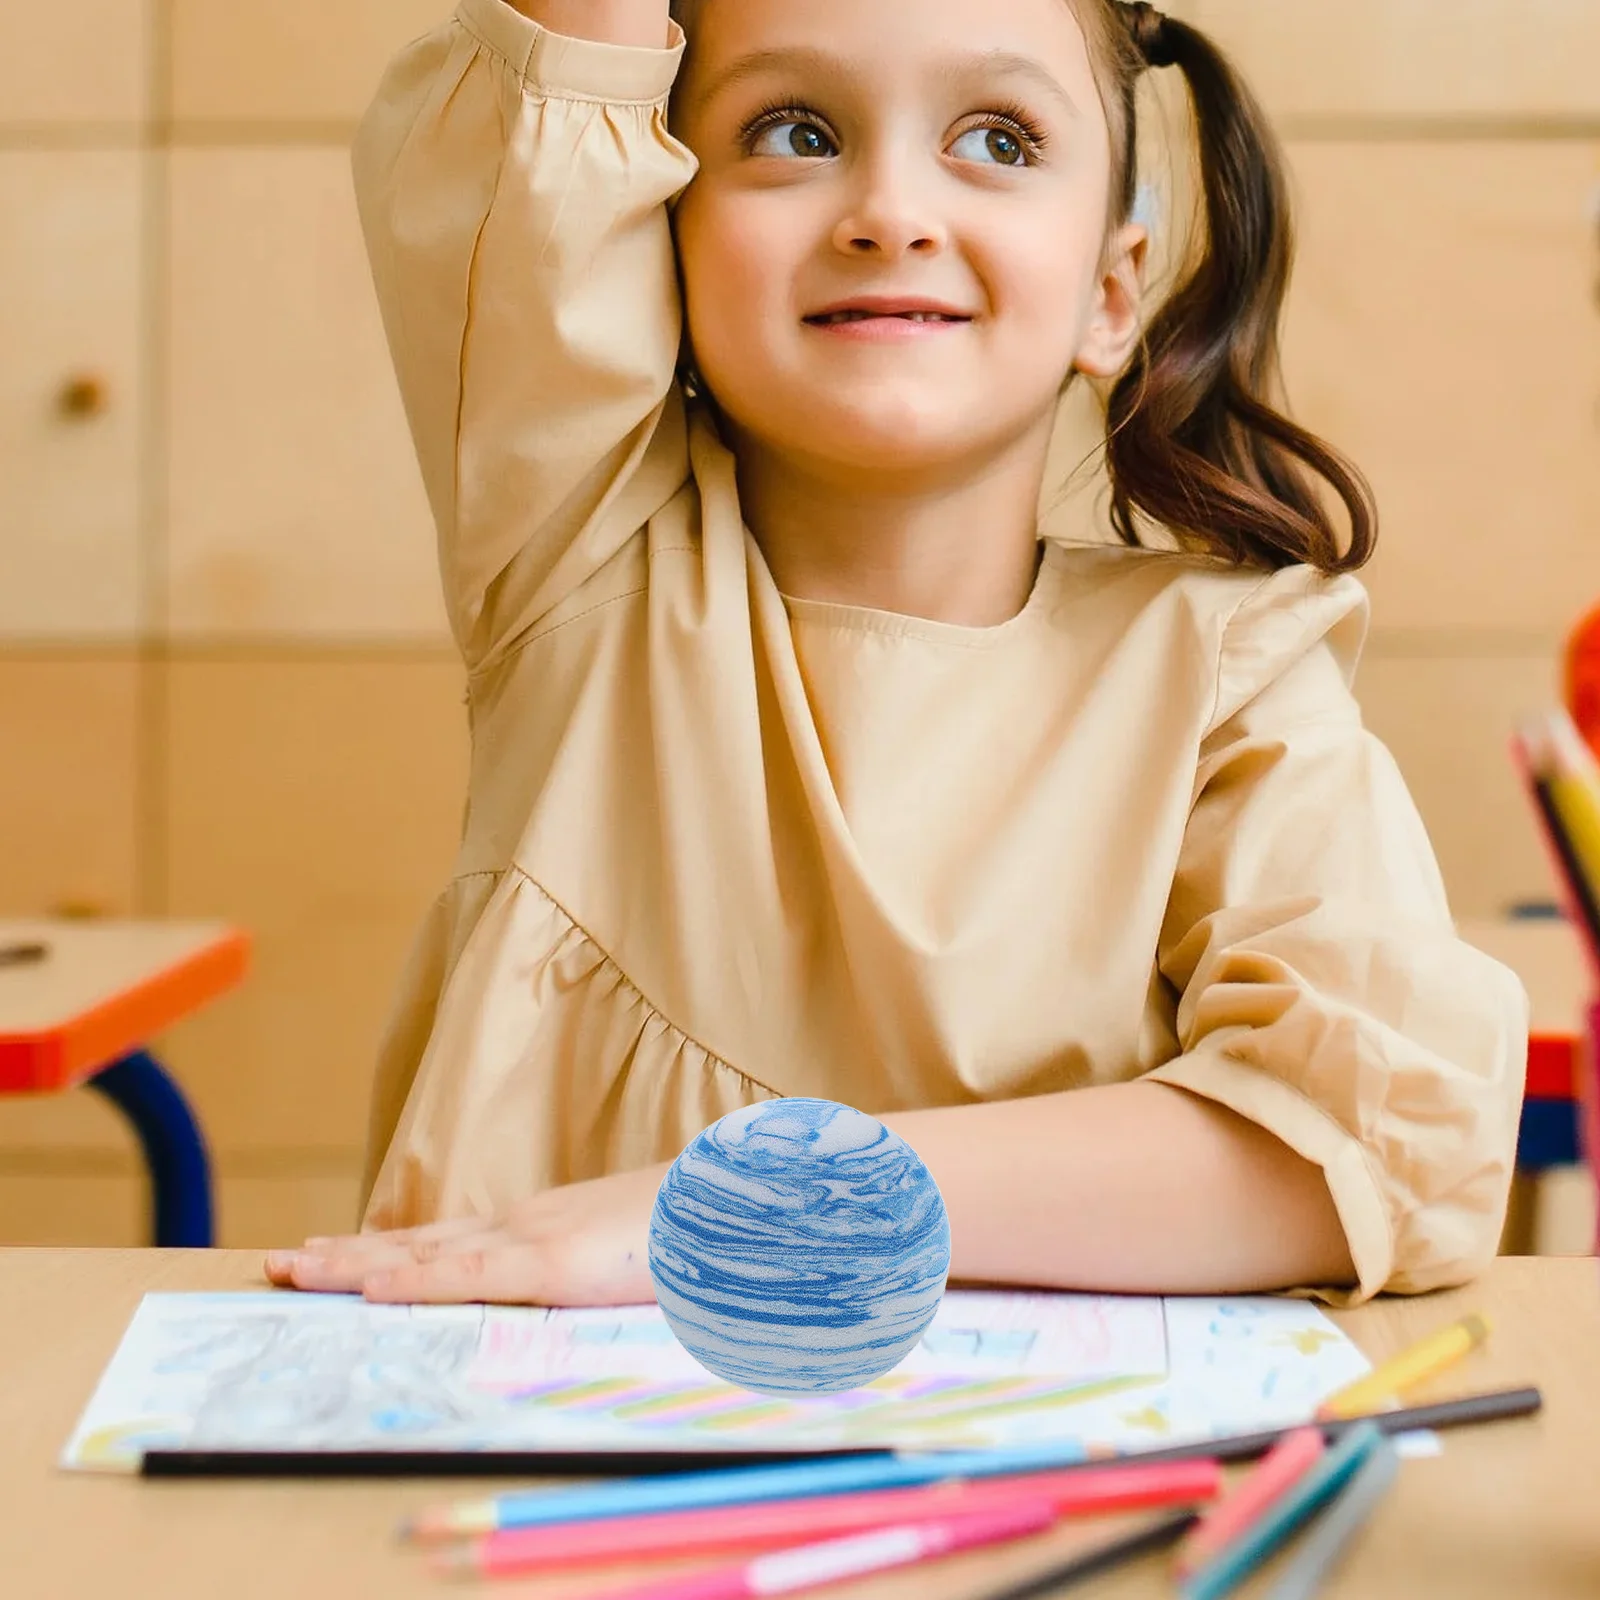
723	845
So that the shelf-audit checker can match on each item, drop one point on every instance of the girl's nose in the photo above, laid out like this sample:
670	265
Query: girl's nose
889	215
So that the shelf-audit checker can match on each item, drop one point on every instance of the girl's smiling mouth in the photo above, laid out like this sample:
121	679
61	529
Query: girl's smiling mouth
880	317
884	328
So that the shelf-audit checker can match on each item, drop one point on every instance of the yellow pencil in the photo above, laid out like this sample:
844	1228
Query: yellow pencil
1406	1370
1575	790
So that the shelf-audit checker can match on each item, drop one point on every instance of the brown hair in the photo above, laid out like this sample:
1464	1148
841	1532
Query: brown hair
1195	441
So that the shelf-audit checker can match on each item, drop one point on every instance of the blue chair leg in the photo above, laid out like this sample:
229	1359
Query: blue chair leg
174	1151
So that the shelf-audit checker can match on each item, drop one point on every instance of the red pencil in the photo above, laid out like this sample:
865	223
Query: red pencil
809	1566
1283	1466
1074	1492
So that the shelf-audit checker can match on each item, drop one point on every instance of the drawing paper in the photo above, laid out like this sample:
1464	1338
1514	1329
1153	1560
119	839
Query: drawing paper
296	1372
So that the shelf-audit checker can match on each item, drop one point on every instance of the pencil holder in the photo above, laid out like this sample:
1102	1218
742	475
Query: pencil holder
1581	677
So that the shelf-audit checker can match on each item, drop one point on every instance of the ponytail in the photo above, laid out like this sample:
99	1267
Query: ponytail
1195	443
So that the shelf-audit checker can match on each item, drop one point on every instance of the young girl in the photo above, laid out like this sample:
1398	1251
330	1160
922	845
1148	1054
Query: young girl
801	764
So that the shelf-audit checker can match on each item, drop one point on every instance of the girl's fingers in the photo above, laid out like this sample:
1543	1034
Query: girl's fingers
375	1254
455	1228
494	1269
282	1266
341	1274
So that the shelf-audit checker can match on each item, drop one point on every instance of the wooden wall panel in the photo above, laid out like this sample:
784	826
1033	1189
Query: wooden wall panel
69	309
67	64
1565	1223
296	506
76	1208
281	60
66	1127
69	756
319	804
87	1207
1408	58
1443	331
1448	721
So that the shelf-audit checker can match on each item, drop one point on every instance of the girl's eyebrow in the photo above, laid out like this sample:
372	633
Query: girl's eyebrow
950	70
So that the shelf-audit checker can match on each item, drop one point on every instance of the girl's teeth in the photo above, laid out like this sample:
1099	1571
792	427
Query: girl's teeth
905	316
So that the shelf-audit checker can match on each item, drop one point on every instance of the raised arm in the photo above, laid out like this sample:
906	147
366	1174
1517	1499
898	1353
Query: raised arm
512	175
628	22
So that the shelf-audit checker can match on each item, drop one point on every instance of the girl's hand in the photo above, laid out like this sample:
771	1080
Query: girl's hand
582	1245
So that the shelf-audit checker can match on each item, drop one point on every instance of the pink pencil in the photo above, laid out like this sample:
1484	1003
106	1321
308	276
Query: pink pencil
809	1566
1279	1469
1073	1492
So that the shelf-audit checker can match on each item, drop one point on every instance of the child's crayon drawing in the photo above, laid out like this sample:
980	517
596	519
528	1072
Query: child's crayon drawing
308	1372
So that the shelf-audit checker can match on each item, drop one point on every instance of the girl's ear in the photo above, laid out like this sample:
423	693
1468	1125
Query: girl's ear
1114	325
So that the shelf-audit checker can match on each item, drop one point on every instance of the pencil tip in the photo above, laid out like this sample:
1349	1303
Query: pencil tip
437	1527
458	1562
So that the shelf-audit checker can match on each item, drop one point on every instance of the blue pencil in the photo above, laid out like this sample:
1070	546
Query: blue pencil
1235	1562
742	1486
1323	1547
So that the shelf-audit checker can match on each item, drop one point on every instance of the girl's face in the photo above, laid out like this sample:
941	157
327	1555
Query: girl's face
890	155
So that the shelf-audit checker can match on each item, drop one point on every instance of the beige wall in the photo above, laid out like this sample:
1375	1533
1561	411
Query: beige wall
224	684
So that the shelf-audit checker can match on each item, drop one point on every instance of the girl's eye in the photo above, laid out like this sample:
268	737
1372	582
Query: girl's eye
998	146
791	138
789	131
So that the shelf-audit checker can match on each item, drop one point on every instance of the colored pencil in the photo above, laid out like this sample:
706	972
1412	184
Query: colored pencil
1102	1558
628	1497
809	1566
663	1534
432	1462
1533	759
1493	1405
1574	784
1283	1518
1425	1359
1582	904
742	1486
1282	1466
1327	1542
1575	787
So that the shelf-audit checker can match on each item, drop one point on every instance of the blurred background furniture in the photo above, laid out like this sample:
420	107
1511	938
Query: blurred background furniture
78	1001
1545	952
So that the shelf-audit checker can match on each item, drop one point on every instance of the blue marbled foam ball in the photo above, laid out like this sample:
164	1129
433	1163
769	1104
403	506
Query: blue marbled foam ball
799	1247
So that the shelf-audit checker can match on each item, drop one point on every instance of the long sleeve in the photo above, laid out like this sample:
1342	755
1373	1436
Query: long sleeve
1324	993
513	188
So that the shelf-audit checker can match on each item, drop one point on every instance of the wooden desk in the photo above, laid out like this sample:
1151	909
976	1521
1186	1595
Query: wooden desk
1512	1509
